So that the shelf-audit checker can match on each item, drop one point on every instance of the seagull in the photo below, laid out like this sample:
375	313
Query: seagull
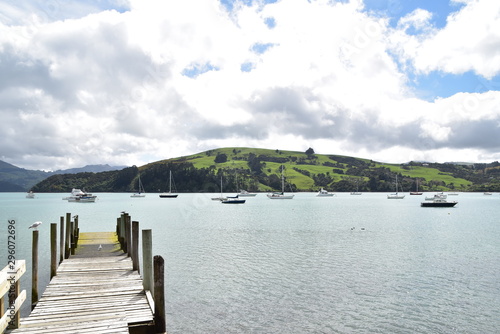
100	247
35	225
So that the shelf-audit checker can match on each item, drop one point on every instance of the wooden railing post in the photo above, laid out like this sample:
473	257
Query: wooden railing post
147	260
135	246
159	294
34	276
53	249
61	240
10	284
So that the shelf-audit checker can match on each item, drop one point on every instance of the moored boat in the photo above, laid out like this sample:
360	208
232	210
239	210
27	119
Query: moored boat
439	203
436	196
233	200
280	194
140	193
79	196
244	193
396	195
323	193
169	194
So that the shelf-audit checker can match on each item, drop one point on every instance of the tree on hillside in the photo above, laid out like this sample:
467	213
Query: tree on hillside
309	151
221	157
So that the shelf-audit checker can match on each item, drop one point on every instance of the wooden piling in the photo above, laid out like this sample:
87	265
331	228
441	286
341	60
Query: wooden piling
76	231
68	236
128	243
61	239
135	246
159	294
147	260
53	249
34	276
72	245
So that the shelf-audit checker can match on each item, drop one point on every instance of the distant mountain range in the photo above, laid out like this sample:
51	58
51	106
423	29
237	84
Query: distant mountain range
14	179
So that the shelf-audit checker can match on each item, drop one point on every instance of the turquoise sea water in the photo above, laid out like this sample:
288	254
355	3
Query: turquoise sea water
297	266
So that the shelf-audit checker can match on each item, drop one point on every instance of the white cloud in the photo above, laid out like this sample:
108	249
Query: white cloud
470	41
111	87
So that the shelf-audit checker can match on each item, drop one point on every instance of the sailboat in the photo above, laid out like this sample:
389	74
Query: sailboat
169	194
280	195
416	192
221	198
357	192
396	195
140	193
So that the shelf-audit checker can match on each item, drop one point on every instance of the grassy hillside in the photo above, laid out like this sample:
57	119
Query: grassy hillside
257	169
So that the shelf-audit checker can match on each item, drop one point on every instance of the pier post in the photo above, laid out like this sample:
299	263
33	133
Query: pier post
159	294
118	232
77	231
34	276
135	246
61	240
128	228
122	232
53	249
68	235
72	246
147	260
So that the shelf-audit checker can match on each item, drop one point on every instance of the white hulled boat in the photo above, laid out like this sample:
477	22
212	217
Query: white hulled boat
169	194
280	195
79	196
140	193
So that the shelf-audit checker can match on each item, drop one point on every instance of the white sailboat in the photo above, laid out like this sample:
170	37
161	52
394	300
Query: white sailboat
140	193
221	197
396	195
169	194
280	195
357	192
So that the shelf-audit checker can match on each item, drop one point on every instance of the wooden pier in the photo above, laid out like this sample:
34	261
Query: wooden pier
98	289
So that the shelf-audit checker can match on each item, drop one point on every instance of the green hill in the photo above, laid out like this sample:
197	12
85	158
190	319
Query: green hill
257	169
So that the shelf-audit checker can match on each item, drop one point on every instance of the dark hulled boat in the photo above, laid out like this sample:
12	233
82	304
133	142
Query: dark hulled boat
439	203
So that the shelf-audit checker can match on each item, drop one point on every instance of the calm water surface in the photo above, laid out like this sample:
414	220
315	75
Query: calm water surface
298	266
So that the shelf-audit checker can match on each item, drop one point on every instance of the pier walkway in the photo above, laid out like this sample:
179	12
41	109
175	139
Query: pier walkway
95	290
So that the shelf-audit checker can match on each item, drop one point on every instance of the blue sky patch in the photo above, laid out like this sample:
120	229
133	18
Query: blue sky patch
395	9
438	84
270	22
260	48
198	69
246	67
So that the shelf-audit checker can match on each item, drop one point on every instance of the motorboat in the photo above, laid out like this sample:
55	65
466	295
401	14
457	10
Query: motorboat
436	196
30	194
233	200
244	193
323	193
439	203
79	196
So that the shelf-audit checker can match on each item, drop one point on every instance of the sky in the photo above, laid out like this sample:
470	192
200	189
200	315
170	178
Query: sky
128	82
